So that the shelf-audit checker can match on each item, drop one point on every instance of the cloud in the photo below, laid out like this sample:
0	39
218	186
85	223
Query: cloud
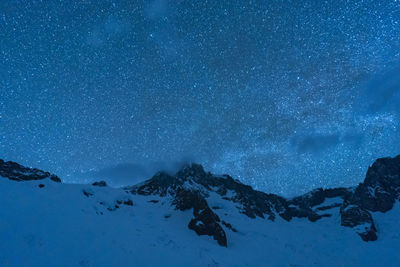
131	173
314	143
381	93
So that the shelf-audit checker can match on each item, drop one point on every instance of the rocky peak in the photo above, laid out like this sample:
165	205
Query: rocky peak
187	190
191	171
191	186
381	186
193	178
16	172
385	174
378	192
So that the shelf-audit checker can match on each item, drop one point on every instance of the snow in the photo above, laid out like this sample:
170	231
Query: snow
59	226
352	206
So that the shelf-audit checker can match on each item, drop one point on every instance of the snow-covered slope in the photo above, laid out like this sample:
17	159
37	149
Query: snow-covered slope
194	218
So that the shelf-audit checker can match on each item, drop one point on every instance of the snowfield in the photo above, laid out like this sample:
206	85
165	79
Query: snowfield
79	225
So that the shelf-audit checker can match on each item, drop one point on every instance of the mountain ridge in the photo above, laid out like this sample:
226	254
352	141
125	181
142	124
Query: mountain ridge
191	187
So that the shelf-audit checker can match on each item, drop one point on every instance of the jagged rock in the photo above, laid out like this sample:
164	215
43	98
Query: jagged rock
295	212
188	199
159	184
377	193
87	193
381	186
252	203
328	207
318	196
100	183
195	191
186	190
205	221
303	206
113	208
16	172
191	187
55	178
229	226
356	217
128	202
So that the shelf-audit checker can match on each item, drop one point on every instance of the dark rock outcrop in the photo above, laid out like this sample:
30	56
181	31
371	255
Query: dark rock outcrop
251	202
16	172
381	186
356	217
87	193
128	202
205	221
318	196
308	205
191	187
378	192
100	183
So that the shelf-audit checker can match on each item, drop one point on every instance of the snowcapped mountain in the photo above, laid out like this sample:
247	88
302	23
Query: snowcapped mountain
195	218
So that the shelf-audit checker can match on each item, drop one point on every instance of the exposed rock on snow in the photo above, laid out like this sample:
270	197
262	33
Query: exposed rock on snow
378	192
360	219
192	186
16	172
193	189
381	186
100	183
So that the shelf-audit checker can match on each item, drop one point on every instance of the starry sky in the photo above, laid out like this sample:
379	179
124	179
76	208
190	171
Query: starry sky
285	95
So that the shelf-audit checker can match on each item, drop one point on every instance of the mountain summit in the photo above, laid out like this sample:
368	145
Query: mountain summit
168	211
193	188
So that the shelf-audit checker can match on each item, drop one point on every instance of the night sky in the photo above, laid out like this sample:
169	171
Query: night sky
285	95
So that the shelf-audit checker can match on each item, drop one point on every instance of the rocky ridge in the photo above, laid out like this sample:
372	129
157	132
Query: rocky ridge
16	172
191	188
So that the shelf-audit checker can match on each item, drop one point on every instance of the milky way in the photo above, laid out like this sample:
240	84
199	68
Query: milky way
283	95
